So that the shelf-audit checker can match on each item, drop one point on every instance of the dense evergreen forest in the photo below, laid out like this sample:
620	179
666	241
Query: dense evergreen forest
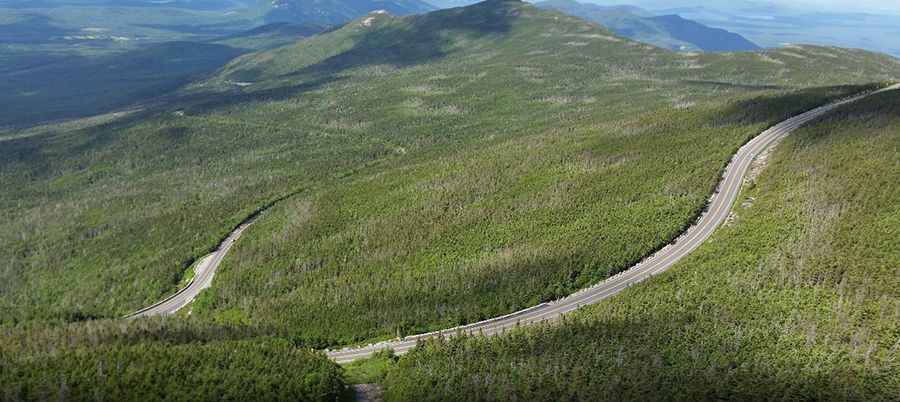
414	173
795	299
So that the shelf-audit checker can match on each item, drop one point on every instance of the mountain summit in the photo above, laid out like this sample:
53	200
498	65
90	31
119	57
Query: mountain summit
338	11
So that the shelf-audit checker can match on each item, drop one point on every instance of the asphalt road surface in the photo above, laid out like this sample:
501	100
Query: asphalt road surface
719	207
203	276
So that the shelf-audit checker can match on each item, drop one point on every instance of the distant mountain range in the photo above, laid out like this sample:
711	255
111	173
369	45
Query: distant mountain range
777	27
775	24
337	11
667	31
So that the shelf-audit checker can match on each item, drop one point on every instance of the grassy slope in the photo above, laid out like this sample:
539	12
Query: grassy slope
796	299
390	145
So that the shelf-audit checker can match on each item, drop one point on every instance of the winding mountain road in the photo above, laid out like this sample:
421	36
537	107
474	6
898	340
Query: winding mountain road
719	207
203	276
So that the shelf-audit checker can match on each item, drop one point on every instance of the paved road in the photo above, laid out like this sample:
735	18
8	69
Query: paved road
203	276
719	208
717	212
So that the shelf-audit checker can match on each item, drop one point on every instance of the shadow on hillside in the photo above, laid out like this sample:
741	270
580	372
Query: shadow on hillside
772	108
634	360
33	29
56	89
204	103
750	87
36	152
418	39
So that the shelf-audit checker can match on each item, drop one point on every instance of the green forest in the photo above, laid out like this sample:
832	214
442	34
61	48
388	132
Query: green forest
795	299
160	360
415	173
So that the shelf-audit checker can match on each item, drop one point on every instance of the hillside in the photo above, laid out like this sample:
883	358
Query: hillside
795	299
666	31
69	59
270	35
67	87
52	87
378	127
155	362
705	38
408	173
333	12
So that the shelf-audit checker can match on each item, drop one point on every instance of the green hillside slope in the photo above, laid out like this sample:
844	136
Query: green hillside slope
795	299
437	169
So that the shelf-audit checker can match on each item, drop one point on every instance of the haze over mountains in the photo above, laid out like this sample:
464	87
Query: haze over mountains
865	25
667	31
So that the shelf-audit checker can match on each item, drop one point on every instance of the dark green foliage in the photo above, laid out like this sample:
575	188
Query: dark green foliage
422	172
271	35
506	156
232	371
795	299
79	86
78	60
160	359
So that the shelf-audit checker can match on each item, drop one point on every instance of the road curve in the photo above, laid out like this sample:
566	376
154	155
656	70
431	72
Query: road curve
719	207
203	276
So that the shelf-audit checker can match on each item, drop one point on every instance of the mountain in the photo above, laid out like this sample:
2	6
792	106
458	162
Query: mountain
780	26
451	3
271	35
808	262
667	31
402	174
705	38
336	11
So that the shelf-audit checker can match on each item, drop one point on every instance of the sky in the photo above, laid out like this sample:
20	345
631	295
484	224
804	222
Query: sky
855	5
869	6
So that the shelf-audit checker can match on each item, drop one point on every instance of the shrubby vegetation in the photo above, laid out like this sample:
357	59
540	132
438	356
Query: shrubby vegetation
795	299
149	360
428	171
501	156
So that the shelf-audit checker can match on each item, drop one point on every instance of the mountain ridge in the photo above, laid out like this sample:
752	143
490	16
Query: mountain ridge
668	31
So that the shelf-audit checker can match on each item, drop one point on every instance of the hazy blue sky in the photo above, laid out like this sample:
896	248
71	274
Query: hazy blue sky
859	5
872	6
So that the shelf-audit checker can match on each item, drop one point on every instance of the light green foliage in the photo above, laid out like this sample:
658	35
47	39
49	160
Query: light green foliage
423	172
371	370
795	299
454	166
